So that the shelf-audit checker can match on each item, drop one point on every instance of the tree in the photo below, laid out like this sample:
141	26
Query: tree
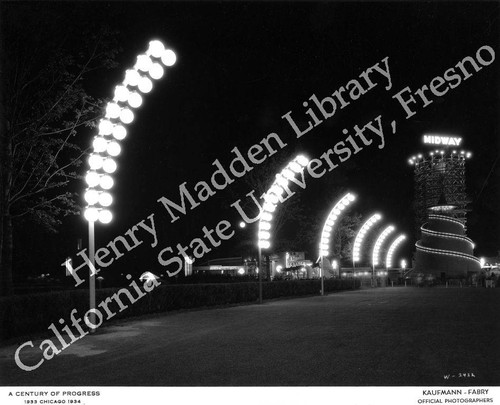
45	109
344	237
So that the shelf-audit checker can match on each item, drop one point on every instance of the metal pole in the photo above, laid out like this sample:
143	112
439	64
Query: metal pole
373	274
260	275
353	272
322	275
92	274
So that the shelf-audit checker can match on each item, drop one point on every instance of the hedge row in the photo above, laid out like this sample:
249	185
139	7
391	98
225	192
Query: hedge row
26	314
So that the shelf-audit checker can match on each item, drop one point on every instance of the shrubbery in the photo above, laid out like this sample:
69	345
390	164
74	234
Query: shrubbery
25	314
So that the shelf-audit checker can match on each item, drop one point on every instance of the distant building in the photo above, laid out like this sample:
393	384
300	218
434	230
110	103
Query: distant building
236	266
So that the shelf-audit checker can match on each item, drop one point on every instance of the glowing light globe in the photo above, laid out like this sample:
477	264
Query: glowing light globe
105	127
145	85
269	207
134	100
273	198
113	148
105	199
91	214
126	116
91	196
119	132
144	63
92	179
264	244
295	167
266	216
156	72
105	216
95	161
121	93
168	58
100	144
113	110
106	182
288	174
132	77
302	160
156	48
276	189
282	181
109	165
264	235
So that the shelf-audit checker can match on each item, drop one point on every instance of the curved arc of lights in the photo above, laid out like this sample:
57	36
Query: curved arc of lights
329	224
272	198
112	128
445	235
394	245
378	244
361	235
446	252
445	218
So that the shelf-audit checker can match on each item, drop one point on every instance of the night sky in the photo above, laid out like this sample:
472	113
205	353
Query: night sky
242	66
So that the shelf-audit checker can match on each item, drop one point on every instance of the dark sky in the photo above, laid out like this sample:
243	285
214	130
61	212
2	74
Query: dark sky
242	66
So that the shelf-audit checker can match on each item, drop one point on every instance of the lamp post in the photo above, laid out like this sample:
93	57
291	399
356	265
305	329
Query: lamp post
376	249
106	146
394	245
328	228
271	198
260	274
358	241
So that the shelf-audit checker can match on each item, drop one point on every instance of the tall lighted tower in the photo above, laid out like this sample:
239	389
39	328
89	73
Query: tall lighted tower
440	205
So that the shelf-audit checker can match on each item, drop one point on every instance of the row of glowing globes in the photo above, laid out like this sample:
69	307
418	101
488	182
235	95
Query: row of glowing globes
378	243
463	154
335	213
356	257
356	253
273	196
112	129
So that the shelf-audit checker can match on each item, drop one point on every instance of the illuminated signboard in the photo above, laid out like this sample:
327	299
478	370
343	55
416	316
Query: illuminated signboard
442	140
293	259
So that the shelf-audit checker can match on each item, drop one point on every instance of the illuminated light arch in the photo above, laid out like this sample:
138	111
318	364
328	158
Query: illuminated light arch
392	249
361	235
328	227
272	198
112	128
327	231
378	244
106	144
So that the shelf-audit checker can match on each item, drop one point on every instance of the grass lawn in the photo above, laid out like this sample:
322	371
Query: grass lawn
371	337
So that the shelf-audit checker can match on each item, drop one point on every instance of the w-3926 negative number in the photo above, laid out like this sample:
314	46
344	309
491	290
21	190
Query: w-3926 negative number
52	401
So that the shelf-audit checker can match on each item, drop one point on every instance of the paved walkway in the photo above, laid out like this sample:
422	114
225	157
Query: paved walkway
384	336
